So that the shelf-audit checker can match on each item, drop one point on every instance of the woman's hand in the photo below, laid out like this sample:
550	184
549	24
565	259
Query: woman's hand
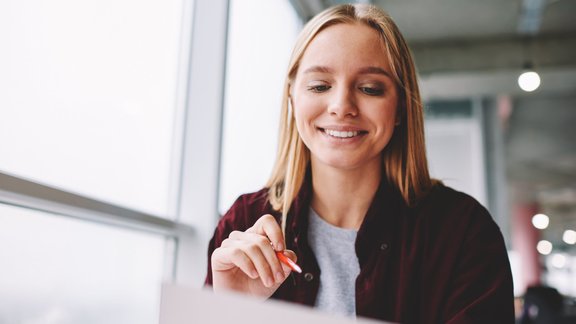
247	261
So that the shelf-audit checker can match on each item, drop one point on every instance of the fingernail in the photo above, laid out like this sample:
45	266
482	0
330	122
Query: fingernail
280	247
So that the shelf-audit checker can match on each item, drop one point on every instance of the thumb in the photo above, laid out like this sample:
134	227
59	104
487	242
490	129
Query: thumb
292	256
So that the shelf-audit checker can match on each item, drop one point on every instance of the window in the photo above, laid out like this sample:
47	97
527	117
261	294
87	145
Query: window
89	96
61	270
259	47
92	99
110	132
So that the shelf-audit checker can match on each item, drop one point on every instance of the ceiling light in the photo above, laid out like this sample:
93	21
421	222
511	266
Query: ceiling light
540	221
569	237
529	80
544	247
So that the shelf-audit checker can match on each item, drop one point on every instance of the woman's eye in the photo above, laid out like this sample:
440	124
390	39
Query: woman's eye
372	91
318	88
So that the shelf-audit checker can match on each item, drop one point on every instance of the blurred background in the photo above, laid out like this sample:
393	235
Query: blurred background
128	127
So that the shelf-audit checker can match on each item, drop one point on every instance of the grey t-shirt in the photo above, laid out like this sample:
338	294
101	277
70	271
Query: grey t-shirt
334	250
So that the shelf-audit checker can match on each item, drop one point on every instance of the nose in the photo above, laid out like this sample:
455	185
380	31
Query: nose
343	103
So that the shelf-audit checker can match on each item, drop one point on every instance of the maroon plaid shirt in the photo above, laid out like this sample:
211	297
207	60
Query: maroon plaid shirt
442	261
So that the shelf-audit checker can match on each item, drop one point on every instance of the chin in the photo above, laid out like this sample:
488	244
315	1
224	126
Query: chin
346	161
339	163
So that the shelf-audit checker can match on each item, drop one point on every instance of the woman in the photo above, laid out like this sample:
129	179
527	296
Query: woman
350	198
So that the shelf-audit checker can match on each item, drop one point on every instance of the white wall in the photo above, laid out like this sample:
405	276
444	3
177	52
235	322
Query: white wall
456	155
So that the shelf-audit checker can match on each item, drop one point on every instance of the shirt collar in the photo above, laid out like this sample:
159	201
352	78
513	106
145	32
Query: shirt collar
387	206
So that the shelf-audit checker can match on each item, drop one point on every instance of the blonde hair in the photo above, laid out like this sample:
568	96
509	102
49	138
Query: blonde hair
404	158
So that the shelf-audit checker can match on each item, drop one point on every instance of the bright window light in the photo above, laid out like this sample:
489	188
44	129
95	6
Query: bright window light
256	63
63	270
88	96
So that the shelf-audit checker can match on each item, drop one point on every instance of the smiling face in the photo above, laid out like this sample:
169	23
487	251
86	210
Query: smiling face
344	98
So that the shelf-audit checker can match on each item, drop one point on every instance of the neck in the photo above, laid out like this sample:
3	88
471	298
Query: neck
342	197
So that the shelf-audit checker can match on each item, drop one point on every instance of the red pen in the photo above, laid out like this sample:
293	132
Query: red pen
287	261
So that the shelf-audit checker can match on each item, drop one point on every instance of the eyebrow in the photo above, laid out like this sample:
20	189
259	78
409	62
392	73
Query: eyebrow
317	68
364	70
374	70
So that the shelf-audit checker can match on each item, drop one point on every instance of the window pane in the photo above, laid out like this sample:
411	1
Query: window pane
257	62
88	96
61	270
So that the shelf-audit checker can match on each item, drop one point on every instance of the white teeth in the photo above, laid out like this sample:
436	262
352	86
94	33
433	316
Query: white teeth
341	134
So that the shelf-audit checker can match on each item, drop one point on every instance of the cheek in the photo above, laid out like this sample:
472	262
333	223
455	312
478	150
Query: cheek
385	118
306	132
304	120
300	118
392	113
304	112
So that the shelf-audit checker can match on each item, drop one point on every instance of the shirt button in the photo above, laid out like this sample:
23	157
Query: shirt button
384	246
308	276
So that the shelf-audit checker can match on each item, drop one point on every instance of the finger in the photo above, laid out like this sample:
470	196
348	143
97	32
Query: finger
270	254
236	239
256	255
229	242
269	227
287	268
245	239
266	267
291	255
226	259
236	235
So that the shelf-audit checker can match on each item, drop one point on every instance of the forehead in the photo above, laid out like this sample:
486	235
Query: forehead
346	45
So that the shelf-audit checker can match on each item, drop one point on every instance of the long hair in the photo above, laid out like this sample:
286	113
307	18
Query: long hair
404	158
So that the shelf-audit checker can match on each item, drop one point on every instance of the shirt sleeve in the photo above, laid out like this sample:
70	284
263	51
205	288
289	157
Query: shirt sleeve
481	290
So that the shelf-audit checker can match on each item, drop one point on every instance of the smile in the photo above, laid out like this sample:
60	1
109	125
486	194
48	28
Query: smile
342	133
